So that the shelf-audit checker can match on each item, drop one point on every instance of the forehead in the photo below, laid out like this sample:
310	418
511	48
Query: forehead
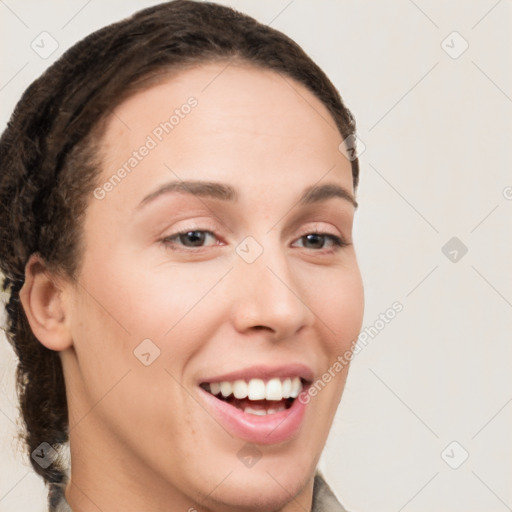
228	83
225	121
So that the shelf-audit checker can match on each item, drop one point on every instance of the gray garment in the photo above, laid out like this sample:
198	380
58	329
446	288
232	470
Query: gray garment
323	498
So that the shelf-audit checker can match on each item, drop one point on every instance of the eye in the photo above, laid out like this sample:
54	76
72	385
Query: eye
318	241
190	238
197	238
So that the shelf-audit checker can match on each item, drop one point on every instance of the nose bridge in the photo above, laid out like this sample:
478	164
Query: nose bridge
267	295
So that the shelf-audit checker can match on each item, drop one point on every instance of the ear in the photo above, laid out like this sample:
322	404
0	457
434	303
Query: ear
42	299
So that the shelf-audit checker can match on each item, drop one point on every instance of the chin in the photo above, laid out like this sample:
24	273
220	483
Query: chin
259	491
266	485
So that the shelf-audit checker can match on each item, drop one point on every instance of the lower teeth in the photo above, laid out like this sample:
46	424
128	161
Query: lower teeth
261	408
263	412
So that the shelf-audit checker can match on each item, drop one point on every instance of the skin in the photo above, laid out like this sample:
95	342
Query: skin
140	439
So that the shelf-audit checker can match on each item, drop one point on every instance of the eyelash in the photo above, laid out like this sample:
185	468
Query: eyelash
170	243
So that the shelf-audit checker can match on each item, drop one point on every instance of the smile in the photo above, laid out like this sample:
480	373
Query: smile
262	407
257	396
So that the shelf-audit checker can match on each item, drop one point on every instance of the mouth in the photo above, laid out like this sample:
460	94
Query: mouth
260	404
258	397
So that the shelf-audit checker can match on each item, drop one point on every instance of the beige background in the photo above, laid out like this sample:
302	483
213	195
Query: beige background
437	164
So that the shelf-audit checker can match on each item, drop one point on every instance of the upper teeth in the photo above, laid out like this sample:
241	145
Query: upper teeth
257	389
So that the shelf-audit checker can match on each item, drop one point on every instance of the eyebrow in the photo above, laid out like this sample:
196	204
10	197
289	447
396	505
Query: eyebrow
318	193
225	192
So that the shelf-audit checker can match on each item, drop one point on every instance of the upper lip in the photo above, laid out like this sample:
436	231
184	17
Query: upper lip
265	372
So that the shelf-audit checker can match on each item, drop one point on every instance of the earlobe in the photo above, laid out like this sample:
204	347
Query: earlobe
44	305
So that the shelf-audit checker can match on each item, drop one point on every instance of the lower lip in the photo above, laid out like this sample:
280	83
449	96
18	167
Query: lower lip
269	429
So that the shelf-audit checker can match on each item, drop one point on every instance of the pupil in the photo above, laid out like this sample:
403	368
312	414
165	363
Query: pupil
196	238
315	239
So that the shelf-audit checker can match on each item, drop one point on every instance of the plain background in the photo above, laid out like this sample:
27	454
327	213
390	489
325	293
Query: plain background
436	124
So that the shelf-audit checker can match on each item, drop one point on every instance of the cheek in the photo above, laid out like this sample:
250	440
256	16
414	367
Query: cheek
125	300
336	297
142	300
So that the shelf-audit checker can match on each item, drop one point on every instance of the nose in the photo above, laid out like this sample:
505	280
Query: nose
267	296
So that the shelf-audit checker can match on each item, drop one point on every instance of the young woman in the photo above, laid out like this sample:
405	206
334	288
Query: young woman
178	196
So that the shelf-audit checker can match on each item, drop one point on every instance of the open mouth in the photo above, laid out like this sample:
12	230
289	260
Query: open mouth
256	396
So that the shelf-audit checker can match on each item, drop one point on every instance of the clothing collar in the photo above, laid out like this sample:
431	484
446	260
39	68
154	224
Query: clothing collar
324	499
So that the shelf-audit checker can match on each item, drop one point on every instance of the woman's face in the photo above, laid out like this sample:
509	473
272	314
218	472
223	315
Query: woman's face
248	296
